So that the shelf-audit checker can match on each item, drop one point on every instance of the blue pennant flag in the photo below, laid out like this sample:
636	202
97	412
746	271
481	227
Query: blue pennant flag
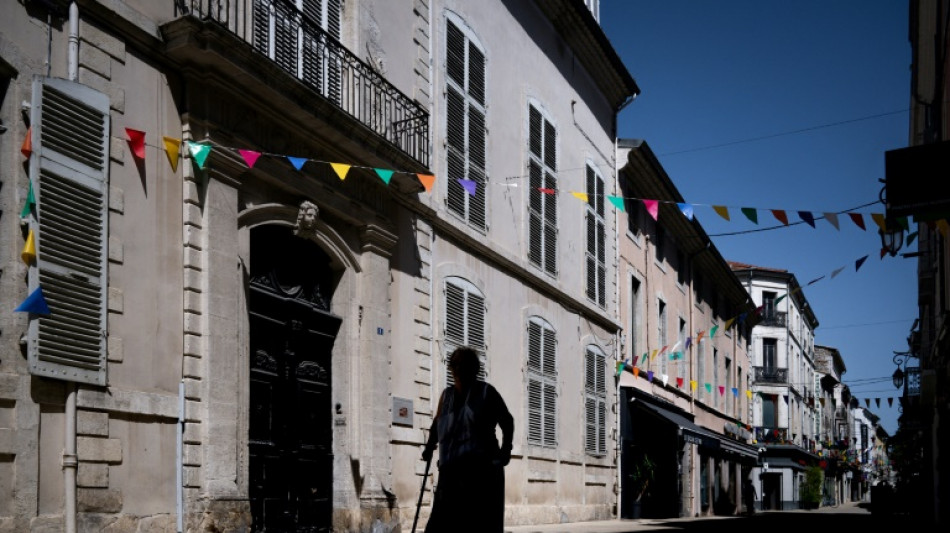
35	303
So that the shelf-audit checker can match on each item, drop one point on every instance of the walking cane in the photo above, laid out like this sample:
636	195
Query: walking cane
422	491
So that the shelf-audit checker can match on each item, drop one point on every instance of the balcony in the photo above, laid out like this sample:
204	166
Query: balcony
764	374
774	319
765	435
294	42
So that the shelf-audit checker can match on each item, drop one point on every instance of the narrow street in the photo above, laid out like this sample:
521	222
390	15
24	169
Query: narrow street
851	516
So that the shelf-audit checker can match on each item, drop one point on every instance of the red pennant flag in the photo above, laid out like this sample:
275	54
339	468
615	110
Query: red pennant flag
136	142
546	190
679	383
780	215
27	148
858	220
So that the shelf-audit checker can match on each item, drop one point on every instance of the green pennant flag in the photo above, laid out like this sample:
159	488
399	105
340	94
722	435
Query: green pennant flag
199	152
30	202
384	174
617	201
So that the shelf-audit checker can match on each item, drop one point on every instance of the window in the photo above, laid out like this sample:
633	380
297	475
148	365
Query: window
542	207
681	268
716	383
681	342
298	35
465	124
701	367
542	383
769	356
464	321
770	411
661	333
659	244
768	305
635	215
730	403
595	408
633	329
69	177
596	239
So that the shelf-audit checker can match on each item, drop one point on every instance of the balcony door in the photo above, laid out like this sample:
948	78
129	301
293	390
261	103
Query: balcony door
302	36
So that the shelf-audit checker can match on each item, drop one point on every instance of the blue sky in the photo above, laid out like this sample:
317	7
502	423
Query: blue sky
791	106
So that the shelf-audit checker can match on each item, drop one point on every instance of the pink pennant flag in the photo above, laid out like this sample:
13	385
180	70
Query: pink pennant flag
857	219
250	157
427	181
780	215
722	390
652	206
136	142
832	219
722	211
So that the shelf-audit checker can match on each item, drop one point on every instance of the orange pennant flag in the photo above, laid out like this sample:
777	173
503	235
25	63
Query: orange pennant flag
878	219
136	142
27	148
172	146
636	371
427	181
780	215
722	210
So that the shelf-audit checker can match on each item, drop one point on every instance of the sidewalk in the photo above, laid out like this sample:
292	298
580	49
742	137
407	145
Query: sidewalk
644	524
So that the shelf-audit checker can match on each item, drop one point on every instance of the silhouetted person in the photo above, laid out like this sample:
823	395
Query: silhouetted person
748	494
470	494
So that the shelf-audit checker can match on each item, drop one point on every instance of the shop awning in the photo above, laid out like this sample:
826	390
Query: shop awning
699	435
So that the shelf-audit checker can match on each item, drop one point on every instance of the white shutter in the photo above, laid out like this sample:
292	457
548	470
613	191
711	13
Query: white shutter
69	172
595	407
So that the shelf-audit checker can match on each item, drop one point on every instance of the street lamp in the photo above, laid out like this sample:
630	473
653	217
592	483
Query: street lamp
892	234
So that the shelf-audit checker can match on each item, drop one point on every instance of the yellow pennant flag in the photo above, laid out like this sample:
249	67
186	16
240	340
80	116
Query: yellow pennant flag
29	250
878	219
722	210
748	394
172	146
582	196
943	227
341	169
692	384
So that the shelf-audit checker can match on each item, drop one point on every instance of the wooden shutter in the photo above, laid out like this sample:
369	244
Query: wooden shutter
596	239
542	208
595	408
69	171
542	388
465	125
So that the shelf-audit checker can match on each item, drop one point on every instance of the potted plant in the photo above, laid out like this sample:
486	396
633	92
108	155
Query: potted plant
811	488
639	477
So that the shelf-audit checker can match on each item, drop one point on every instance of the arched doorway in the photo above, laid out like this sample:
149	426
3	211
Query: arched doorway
292	332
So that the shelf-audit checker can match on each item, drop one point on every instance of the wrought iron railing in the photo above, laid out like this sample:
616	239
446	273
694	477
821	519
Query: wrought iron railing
298	44
771	435
773	318
764	374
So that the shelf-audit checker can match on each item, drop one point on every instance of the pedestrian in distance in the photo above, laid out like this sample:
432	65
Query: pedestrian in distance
748	494
470	494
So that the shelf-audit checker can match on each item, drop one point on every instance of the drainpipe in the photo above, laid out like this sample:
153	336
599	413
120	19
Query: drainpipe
70	461
179	493
619	334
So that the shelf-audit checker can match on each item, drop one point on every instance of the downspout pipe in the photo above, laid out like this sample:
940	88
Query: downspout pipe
70	460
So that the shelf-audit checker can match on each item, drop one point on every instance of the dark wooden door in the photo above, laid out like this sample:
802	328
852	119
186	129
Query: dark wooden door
291	338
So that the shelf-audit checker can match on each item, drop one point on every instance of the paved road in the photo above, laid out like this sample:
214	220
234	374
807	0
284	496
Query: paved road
850	515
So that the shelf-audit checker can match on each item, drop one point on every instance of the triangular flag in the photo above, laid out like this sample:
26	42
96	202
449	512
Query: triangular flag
679	383
911	237
890	401
708	387
742	317
341	169
780	215
867	402
427	180
689	340
617	201
713	330
751	213
582	196
35	303
468	185
722	390
832	219
297	162
780	298
172	146
250	157
686	209
729	322
653	354
29	249
807	217
136	142
30	202
857	219
546	190
878	219
859	262
619	367
722	210
652	207
877	402
785	396
943	227
199	152
902	223
635	357
663	350
665	378
27	147
748	394
650	376
699	336
636	371
692	384
816	280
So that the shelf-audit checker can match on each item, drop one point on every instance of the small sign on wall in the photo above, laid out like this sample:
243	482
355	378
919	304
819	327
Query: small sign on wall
402	411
